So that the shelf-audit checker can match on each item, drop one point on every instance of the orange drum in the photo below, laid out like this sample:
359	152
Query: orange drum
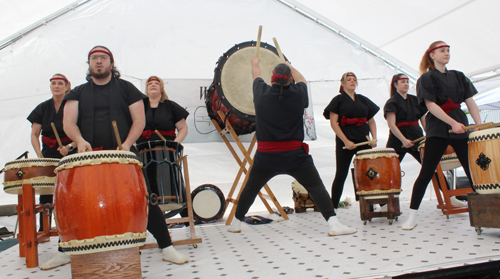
377	172
38	172
449	161
100	202
484	160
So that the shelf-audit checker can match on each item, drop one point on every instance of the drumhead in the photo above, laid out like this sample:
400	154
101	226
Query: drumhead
35	162
375	153
209	203
165	144
486	134
97	158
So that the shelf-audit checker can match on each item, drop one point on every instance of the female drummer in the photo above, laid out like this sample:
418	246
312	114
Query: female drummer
351	118
50	111
162	114
402	113
441	91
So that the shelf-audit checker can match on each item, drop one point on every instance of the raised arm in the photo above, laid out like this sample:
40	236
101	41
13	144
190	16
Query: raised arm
256	72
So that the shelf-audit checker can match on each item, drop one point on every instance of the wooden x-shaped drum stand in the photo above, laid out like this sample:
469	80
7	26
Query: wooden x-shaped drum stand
247	160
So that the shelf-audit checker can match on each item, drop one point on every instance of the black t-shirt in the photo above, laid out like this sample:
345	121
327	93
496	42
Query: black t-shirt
102	119
360	107
438	87
406	110
280	119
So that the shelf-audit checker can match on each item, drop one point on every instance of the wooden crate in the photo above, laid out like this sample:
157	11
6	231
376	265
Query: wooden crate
484	210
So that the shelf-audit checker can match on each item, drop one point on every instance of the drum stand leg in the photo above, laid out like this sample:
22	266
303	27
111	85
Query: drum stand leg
443	194
247	159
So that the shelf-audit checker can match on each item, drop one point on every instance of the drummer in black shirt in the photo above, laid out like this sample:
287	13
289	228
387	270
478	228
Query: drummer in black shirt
279	111
441	91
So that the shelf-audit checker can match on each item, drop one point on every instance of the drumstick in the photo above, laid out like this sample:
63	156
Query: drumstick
118	140
415	140
282	58
56	134
363	143
257	47
160	135
480	126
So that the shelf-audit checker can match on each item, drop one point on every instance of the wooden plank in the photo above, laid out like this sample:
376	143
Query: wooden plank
123	263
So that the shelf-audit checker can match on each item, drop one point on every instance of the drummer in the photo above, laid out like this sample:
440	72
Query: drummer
279	111
351	118
50	111
441	91
87	120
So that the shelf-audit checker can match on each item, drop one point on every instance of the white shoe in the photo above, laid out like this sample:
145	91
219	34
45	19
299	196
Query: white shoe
337	228
457	202
173	256
411	223
235	226
58	259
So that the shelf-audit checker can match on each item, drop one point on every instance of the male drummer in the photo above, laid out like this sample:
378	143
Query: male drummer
279	111
88	113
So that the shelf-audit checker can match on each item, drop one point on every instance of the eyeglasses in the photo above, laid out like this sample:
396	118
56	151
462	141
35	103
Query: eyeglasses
102	57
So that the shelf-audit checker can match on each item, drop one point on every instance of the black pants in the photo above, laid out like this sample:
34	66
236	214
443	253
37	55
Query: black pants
308	177
343	159
434	150
401	151
157	227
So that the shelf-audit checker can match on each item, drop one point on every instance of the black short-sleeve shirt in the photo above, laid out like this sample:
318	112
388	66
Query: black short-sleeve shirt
360	107
438	87
280	119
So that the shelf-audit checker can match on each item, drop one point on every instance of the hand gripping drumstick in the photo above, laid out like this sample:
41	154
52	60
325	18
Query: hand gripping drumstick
160	135
415	140
282	58
362	143
118	140
480	126
56	134
258	41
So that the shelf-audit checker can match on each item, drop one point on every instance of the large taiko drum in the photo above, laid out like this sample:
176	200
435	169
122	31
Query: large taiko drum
449	161
232	89
377	172
38	172
484	160
100	202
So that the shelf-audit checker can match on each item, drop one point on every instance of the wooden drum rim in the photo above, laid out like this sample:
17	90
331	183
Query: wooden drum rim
97	158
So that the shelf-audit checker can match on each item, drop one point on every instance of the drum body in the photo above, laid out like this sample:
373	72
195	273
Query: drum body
301	196
209	203
377	171
449	161
100	202
232	89
484	160
37	172
163	172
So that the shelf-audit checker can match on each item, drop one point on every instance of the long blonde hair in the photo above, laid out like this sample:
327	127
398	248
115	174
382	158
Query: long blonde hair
164	95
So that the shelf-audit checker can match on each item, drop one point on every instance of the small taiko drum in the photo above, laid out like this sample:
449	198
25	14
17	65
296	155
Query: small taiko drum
209	203
302	198
38	172
232	89
377	172
100	202
484	160
449	161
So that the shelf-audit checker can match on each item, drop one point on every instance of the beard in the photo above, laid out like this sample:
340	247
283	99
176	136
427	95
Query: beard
103	73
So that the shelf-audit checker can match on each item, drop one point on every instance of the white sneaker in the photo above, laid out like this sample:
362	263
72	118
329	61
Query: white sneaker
337	228
173	256
411	223
58	259
457	202
235	226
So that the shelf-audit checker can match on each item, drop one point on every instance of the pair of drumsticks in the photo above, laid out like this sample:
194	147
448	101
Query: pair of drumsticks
115	129
259	35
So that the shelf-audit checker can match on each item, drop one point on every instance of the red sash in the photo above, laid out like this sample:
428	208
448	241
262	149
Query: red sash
53	142
276	146
146	134
407	124
449	106
352	121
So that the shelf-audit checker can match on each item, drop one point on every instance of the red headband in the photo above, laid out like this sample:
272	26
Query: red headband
278	76
434	48
151	79
341	90
400	79
101	50
61	78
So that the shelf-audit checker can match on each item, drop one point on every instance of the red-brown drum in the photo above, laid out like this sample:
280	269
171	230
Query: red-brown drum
484	160
232	89
100	202
449	161
38	172
377	172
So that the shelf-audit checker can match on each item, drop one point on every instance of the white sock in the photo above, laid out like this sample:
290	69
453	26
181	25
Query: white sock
411	222
173	256
235	226
58	259
337	228
457	202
